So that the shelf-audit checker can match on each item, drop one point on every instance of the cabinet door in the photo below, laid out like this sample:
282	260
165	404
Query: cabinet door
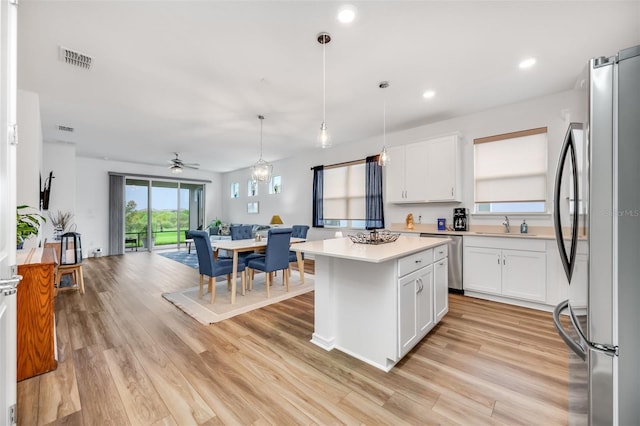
416	176
441	287
407	313
482	269
424	301
394	173
441	162
524	274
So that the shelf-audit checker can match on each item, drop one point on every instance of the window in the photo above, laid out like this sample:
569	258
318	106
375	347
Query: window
344	195
511	172
252	188
235	190
275	185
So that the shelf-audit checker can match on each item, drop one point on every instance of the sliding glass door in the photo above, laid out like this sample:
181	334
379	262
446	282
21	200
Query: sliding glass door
175	208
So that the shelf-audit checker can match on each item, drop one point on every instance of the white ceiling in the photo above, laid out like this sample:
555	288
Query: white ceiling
192	76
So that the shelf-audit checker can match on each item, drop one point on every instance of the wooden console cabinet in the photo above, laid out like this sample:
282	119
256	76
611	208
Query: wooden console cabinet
36	325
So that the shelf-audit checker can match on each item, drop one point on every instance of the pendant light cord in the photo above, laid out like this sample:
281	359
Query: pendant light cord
324	84
261	120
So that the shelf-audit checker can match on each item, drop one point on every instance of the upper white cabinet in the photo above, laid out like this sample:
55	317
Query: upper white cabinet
427	171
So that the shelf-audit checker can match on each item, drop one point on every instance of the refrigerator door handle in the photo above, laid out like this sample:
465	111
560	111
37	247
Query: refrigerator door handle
568	147
606	349
573	345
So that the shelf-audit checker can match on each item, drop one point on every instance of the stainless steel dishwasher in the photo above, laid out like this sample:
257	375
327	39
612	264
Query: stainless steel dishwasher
455	261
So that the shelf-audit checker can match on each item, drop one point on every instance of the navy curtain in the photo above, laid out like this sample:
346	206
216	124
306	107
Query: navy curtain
374	208
318	203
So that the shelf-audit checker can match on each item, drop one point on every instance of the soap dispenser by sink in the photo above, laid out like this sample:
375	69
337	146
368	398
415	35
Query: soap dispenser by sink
524	228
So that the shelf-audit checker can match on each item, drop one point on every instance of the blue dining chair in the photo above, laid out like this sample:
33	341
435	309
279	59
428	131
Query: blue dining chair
297	231
213	268
276	257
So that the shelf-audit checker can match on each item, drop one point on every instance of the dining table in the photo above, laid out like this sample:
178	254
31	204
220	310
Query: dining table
246	245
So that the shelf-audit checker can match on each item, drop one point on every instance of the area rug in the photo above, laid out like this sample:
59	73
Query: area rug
189	259
205	313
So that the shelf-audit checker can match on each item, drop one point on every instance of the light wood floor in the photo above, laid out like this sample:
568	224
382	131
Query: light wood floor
126	356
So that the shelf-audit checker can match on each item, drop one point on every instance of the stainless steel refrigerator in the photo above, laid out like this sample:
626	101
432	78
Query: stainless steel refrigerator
604	199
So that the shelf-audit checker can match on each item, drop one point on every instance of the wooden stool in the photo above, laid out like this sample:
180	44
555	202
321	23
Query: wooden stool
76	273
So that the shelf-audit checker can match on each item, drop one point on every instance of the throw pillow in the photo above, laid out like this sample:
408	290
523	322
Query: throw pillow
225	229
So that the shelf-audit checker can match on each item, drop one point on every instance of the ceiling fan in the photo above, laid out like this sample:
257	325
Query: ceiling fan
177	165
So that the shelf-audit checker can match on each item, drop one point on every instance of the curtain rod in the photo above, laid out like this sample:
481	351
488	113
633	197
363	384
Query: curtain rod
345	163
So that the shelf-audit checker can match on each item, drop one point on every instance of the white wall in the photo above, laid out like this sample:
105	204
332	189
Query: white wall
294	203
61	159
28	153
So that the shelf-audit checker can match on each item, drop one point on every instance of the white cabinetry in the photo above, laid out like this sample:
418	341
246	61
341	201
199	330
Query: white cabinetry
406	173
415	307
514	268
443	168
422	295
427	171
441	287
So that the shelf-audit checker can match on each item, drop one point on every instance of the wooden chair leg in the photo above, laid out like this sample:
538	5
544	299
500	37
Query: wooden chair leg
267	282
212	288
286	274
249	278
200	293
228	281
243	277
80	280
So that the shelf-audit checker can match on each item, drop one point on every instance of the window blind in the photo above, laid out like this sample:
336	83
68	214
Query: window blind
511	167
344	192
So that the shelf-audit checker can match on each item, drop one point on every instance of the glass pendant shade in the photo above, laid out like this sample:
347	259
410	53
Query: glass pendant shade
261	170
384	158
176	169
324	138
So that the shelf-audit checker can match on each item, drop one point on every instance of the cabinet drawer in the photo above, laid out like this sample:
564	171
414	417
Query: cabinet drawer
440	252
415	261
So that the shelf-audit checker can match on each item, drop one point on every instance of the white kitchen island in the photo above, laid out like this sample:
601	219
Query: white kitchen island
375	302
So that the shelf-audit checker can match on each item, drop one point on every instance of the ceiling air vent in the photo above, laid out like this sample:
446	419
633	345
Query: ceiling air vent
75	58
65	128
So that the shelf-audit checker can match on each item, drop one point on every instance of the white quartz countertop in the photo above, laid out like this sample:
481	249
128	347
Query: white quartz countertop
375	253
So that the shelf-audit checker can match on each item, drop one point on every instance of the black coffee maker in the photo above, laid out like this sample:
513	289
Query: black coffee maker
460	222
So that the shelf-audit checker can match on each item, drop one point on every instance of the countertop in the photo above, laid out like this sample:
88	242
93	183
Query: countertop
346	249
538	232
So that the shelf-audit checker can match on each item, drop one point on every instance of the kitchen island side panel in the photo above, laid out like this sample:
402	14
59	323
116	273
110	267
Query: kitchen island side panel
366	311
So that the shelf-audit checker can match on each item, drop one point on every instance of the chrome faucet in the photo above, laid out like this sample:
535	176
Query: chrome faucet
506	224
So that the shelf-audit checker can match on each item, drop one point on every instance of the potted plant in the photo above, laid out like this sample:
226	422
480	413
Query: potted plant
143	237
61	222
27	225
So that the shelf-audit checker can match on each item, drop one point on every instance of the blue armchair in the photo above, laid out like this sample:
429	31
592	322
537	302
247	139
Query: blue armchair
213	268
276	257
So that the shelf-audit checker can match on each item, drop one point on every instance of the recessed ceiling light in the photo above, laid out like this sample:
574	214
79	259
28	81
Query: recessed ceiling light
428	94
527	63
347	14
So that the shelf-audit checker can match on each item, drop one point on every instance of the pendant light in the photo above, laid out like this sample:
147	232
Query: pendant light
384	158
261	170
324	139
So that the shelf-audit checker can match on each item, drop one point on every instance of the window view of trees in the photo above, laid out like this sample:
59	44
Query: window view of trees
175	209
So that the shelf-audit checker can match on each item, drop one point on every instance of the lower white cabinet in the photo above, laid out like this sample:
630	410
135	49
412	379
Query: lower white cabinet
423	295
510	267
415	303
441	287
